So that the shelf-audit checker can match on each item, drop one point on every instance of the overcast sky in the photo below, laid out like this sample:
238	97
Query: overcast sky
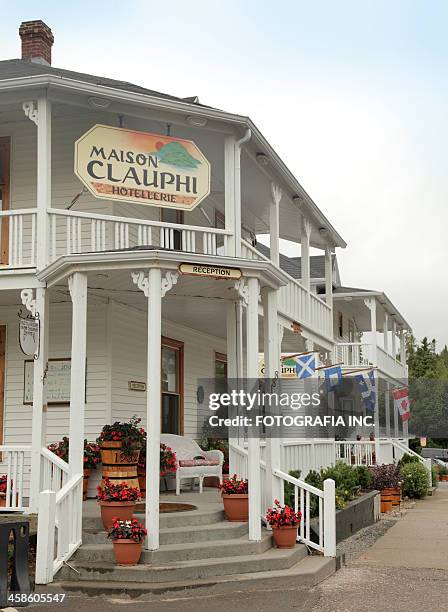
352	94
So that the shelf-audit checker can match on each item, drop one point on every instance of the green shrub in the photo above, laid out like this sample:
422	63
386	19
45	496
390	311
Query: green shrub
415	480
363	476
345	479
289	489
407	459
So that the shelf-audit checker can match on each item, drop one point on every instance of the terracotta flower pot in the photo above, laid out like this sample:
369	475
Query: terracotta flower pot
127	552
285	536
85	482
2	500
236	507
120	510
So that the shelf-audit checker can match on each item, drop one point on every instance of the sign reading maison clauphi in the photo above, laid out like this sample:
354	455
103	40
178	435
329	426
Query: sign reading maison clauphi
213	271
151	169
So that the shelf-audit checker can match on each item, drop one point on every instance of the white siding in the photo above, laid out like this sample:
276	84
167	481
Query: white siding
129	363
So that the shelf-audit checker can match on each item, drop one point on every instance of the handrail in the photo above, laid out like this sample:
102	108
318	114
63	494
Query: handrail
11	448
254	250
18	211
60	463
299	483
69	485
133	221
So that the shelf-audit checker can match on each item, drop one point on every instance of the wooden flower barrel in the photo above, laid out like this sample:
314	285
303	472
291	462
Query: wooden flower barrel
117	466
141	474
387	500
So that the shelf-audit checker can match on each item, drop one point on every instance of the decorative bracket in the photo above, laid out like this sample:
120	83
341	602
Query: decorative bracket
142	281
28	300
168	281
30	110
276	193
243	290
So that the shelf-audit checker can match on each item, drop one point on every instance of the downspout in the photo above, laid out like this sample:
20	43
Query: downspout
238	145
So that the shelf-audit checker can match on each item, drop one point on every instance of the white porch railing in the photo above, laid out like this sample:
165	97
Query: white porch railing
79	232
388	364
352	353
306	455
355	452
59	531
54	471
18	238
15	464
326	512
250	252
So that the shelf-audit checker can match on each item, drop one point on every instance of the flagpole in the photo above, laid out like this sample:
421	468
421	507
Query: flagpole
360	370
333	365
297	355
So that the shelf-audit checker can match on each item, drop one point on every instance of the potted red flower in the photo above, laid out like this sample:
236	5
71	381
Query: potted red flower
284	522
3	487
127	537
236	499
117	501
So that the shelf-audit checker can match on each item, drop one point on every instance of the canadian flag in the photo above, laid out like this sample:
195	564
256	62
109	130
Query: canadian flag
402	403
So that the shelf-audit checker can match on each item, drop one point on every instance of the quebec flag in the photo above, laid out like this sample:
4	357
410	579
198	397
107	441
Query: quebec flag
333	377
367	389
305	365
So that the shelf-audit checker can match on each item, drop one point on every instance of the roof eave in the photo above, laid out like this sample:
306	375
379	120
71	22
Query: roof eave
380	294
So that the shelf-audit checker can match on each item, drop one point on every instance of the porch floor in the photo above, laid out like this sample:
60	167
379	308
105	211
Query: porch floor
207	501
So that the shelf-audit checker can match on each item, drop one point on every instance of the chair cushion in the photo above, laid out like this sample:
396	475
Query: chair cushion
197	462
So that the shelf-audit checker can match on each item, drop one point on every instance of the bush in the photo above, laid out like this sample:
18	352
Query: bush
415	480
363	476
385	476
407	459
289	489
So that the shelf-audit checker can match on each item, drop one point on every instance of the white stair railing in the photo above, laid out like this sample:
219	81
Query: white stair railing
59	530
326	512
54	471
15	464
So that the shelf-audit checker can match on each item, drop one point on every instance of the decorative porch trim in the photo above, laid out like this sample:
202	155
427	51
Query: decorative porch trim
142	281
28	300
242	288
30	110
168	281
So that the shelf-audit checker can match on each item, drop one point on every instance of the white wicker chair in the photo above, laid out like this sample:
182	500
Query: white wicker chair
188	450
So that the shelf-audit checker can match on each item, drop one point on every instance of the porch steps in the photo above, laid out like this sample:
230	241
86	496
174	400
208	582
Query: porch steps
198	549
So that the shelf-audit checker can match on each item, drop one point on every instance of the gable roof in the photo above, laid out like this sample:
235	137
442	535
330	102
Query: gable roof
18	68
293	265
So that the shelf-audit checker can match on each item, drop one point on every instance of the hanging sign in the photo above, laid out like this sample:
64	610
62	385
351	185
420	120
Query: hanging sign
29	335
288	367
142	168
213	271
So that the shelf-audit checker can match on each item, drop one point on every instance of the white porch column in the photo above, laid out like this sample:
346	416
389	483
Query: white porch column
154	294
272	367
387	408
371	304
254	473
274	223
386	332
39	419
43	178
78	290
232	362
394	338
396	422
229	196
402	347
329	283
305	251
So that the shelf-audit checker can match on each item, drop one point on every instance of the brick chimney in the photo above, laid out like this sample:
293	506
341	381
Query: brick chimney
37	40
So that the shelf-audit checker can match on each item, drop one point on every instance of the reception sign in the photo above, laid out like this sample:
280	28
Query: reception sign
208	270
142	168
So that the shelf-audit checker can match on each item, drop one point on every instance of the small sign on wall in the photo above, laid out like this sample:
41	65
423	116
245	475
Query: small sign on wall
58	381
135	385
29	336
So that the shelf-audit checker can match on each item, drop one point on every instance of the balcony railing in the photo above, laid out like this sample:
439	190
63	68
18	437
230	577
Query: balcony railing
362	354
18	238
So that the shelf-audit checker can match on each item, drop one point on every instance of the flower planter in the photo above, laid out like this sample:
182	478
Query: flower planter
3	500
443	477
141	474
236	507
211	481
85	482
127	552
390	498
118	466
121	510
285	536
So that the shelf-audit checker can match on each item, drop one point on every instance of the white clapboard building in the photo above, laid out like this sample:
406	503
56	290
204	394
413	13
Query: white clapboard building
130	270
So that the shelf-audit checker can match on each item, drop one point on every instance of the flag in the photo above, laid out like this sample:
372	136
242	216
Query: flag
366	386
305	365
333	377
402	403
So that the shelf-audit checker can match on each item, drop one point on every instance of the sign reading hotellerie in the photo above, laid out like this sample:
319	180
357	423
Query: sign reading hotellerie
151	169
213	271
